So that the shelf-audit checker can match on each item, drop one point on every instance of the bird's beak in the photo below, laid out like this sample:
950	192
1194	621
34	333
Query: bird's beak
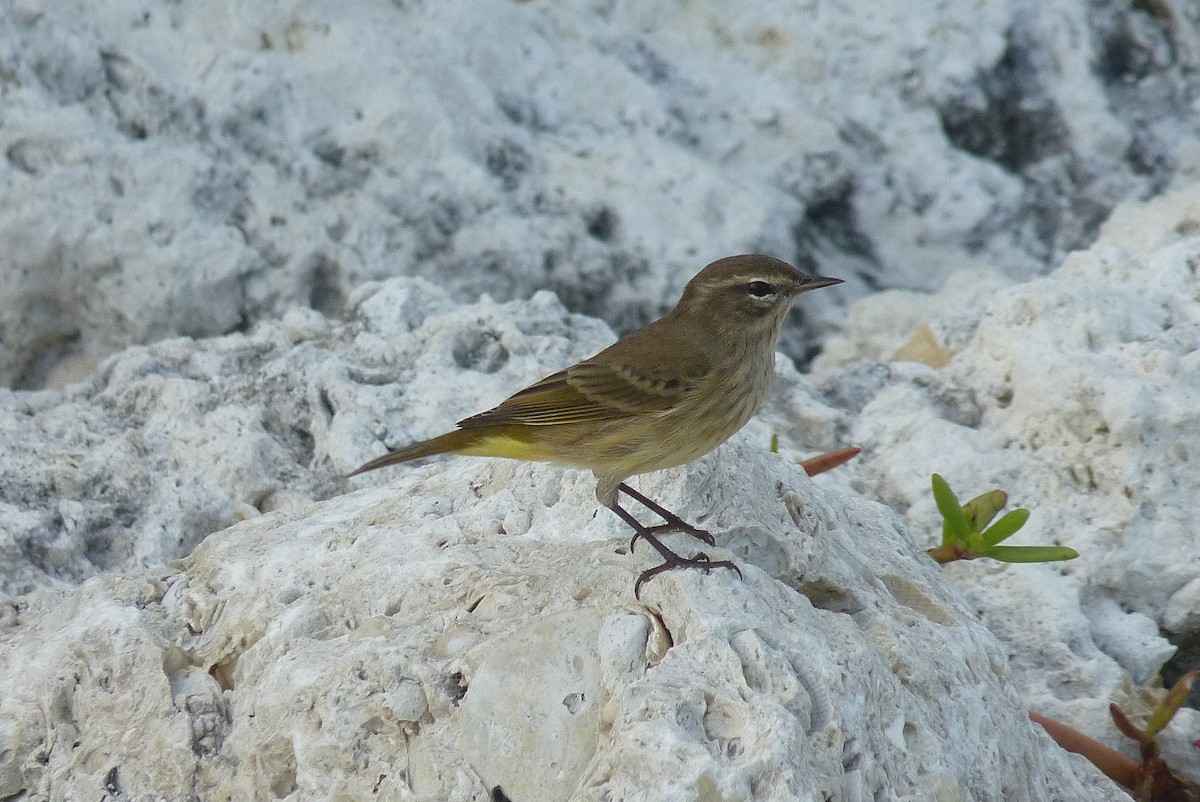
817	282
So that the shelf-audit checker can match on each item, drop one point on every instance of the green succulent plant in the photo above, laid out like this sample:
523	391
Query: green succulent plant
966	534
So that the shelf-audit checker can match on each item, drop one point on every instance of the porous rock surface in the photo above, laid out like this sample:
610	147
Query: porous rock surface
174	170
843	664
1079	395
471	626
172	441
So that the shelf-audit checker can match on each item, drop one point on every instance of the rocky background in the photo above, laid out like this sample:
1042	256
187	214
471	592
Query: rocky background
245	249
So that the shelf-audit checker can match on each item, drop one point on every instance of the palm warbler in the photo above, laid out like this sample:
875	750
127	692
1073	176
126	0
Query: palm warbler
661	396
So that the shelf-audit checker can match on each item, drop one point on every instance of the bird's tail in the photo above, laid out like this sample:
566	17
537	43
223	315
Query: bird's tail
456	441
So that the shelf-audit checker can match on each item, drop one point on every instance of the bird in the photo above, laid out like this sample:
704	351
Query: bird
661	396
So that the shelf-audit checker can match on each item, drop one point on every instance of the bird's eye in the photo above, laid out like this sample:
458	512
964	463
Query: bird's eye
759	289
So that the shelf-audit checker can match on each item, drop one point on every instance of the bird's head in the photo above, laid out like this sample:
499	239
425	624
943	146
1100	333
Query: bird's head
750	290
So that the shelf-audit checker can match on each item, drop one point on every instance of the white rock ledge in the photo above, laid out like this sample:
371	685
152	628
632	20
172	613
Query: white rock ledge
1079	395
401	643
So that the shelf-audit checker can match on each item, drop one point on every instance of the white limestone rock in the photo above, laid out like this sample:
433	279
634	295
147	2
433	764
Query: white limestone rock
319	647
1079	395
173	441
401	642
174	170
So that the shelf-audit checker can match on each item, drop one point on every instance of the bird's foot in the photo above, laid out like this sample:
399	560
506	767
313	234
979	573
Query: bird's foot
671	561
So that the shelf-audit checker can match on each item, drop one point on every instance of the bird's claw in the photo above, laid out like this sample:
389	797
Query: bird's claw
699	561
703	535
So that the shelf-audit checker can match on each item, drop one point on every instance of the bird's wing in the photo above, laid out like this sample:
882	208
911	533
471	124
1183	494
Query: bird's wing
589	391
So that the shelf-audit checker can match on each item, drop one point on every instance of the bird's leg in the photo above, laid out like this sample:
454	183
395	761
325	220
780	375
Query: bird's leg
673	522
671	559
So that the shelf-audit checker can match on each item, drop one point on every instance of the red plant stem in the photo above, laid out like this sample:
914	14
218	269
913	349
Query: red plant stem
1116	766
